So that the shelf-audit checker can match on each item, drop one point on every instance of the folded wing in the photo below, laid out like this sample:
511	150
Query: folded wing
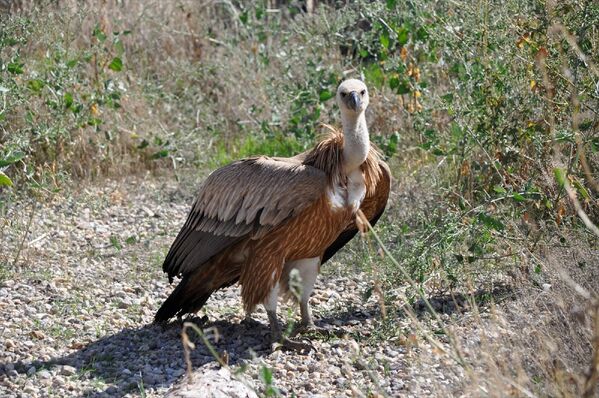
244	199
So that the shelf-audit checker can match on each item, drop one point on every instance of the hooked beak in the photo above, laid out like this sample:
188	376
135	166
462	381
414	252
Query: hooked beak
353	101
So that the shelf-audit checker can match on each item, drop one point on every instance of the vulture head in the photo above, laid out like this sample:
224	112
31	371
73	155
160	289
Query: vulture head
352	96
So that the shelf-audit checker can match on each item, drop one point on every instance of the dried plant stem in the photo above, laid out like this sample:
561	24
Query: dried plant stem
593	376
560	30
188	346
20	249
581	213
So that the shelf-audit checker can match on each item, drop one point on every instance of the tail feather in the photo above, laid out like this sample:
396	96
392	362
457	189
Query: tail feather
182	300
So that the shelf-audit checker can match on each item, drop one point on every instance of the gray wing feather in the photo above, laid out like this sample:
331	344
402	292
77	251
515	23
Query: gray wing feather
246	198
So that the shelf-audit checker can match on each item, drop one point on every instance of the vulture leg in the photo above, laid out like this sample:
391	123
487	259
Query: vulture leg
308	271
277	338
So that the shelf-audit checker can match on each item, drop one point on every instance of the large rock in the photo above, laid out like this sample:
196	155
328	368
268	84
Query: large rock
211	383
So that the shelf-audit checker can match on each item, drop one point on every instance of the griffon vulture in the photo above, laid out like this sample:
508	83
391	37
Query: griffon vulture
256	219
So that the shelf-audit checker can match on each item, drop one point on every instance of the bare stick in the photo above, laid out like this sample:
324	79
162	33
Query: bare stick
14	262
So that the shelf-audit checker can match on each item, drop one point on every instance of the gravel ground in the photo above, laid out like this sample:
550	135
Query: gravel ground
76	313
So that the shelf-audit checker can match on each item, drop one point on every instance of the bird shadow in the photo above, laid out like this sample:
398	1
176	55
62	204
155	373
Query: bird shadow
153	356
447	303
456	303
135	359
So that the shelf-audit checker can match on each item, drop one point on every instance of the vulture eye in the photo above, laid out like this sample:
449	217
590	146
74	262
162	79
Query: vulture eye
343	94
363	92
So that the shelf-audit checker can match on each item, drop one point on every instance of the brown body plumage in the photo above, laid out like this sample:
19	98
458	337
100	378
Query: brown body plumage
256	215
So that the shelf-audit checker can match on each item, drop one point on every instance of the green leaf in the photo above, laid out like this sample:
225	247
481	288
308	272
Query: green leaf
16	68
94	121
491	222
160	154
402	35
581	189
4	180
367	293
456	131
114	241
35	85
375	74
426	145
131	240
499	189
68	100
259	12
71	63
384	39
243	17
447	98
116	64
421	34
391	4
99	34
266	374
12	158
392	145
326	95
518	197
560	176
403	88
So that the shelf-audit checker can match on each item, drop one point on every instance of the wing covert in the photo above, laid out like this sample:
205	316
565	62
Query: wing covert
248	197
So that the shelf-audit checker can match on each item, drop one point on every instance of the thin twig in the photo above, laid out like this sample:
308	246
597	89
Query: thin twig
33	206
593	376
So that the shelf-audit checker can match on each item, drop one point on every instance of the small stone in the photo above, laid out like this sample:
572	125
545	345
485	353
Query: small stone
68	370
9	343
360	364
44	374
46	382
150	379
340	381
31	371
178	372
29	389
38	334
